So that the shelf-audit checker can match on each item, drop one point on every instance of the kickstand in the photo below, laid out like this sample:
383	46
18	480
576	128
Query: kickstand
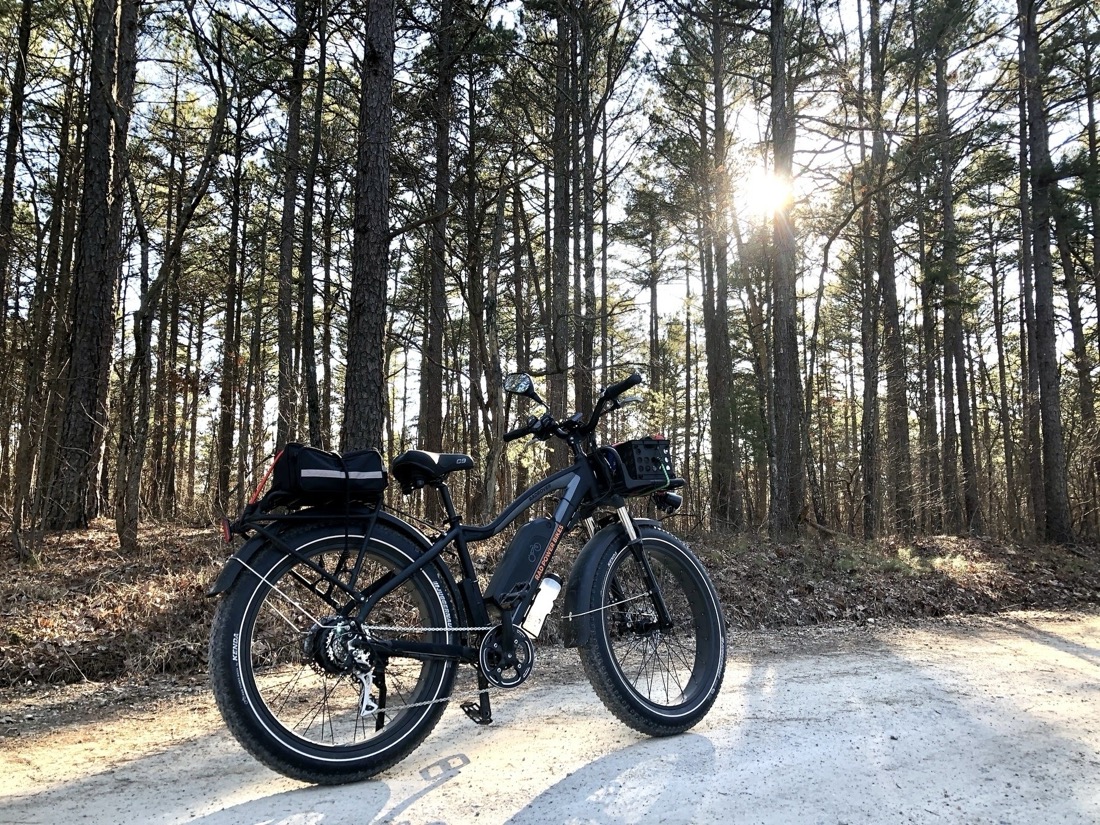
480	711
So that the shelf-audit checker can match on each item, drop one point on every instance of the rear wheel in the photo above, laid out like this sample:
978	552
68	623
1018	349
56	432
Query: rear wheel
293	675
659	681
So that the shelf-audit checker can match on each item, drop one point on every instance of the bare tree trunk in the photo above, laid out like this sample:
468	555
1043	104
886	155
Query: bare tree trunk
591	107
1007	436
495	424
309	347
558	301
194	372
299	40
70	490
1086	397
869	301
28	457
327	313
1059	526
1094	208
365	381
524	319
898	459
789	488
165	505
231	342
1029	362
869	420
11	156
1091	85
932	494
953	393
430	422
726	502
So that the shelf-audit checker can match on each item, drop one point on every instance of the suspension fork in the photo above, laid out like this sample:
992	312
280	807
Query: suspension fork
590	527
664	620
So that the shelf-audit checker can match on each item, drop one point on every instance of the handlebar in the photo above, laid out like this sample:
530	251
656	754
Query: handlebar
615	390
544	427
519	432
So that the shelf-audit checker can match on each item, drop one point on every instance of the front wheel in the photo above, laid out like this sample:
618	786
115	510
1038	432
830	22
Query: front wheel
295	677
658	680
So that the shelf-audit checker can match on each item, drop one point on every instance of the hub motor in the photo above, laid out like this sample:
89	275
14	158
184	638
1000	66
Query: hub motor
328	645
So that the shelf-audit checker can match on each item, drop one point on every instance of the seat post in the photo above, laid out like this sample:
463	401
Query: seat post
448	504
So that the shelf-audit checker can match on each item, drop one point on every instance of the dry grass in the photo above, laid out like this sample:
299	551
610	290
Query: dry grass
87	613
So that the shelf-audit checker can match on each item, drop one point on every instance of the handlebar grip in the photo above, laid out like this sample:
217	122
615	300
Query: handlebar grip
512	435
615	390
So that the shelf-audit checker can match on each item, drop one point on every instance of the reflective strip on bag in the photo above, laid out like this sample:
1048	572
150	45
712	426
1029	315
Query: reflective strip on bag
353	475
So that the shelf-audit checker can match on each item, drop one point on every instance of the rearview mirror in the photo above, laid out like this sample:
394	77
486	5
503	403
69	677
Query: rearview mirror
520	383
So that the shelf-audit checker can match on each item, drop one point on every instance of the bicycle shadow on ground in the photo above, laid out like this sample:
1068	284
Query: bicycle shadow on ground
646	781
182	784
358	802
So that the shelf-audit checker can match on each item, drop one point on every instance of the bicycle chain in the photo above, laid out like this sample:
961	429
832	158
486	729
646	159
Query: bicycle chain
403	629
419	629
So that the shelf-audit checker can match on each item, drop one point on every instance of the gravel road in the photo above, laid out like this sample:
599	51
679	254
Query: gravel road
978	721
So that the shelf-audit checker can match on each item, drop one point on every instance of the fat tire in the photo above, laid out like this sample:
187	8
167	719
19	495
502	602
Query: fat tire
242	704
690	593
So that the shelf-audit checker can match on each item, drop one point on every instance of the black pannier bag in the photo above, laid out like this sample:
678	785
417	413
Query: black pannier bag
304	476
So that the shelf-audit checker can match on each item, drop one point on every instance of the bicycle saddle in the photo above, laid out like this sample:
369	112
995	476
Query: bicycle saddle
414	469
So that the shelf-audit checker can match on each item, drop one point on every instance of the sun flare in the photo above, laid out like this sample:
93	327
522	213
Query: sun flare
764	193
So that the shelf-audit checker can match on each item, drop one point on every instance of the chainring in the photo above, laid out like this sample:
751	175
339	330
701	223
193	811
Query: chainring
501	669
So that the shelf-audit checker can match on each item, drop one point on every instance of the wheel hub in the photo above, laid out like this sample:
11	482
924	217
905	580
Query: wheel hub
329	645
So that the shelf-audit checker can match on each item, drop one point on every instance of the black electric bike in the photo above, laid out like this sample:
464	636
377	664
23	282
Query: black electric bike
341	625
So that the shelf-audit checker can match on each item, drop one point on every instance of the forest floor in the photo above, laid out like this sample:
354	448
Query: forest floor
84	614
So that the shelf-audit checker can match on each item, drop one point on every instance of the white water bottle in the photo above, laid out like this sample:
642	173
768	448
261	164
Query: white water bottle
541	606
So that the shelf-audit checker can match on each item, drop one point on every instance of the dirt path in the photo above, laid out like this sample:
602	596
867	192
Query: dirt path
984	721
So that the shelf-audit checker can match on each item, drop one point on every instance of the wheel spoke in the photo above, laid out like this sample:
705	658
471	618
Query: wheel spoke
656	664
301	655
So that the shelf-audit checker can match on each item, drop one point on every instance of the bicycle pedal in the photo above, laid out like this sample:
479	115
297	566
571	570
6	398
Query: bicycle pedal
481	716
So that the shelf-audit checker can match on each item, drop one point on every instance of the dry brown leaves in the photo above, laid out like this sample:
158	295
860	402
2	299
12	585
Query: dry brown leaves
88	613
85	612
763	584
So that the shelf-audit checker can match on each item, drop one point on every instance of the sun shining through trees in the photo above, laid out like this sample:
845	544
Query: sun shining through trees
763	193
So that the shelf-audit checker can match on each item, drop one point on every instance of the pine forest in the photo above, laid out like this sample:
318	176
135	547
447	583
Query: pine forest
852	245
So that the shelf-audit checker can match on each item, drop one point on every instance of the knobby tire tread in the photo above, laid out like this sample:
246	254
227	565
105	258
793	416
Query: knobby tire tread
605	676
241	719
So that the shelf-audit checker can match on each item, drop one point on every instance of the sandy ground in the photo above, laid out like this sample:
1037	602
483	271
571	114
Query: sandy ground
979	721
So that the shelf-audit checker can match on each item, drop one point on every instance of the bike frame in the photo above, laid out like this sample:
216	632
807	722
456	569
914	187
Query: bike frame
576	483
580	496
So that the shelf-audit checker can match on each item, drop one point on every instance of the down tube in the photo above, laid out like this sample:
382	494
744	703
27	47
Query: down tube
567	479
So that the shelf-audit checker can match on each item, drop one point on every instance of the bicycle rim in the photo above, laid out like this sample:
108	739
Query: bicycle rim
669	670
293	663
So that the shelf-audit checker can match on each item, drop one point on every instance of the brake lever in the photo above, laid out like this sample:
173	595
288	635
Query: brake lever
544	428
